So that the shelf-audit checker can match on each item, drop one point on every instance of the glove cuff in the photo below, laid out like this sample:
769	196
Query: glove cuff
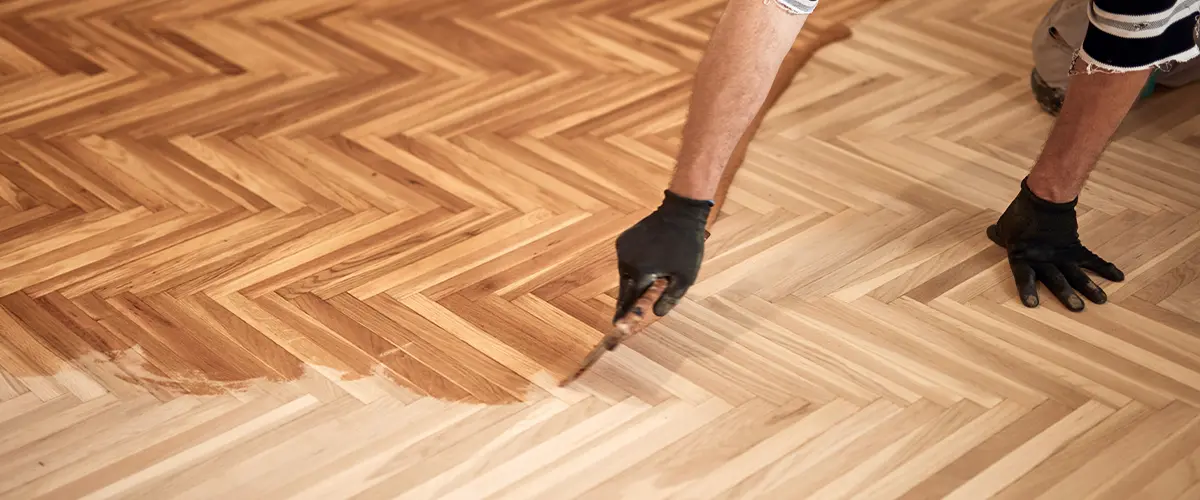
1045	206
684	209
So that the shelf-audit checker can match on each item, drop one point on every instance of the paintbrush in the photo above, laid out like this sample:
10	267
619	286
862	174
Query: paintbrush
624	327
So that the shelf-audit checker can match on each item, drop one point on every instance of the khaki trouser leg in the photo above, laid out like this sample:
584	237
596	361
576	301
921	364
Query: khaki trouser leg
1061	33
1056	38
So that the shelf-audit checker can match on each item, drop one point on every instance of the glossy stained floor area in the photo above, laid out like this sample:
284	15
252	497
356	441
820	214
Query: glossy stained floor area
334	249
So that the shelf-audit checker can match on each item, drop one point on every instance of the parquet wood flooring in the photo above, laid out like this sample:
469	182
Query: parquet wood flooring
346	248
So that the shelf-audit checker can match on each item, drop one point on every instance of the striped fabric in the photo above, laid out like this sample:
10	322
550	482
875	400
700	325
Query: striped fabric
796	7
1129	35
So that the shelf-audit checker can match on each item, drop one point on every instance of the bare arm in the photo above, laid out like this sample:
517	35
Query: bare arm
1094	107
1039	228
732	81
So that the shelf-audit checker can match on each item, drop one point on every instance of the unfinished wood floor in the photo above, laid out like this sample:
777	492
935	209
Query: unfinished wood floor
332	248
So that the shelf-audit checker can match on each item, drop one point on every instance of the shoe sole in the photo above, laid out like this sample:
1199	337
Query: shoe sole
1048	98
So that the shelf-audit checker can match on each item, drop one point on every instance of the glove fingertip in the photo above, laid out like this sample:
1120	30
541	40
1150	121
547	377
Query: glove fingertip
665	304
993	233
1026	284
1027	289
671	296
1104	269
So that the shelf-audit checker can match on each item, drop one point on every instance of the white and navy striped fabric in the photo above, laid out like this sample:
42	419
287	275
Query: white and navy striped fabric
796	7
1130	35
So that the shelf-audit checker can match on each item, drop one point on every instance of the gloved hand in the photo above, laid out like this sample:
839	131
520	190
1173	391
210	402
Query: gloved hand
667	243
1042	239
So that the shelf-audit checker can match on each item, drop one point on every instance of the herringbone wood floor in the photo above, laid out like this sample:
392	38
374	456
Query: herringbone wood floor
334	248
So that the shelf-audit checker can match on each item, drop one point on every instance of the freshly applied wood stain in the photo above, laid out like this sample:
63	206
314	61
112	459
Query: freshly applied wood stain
197	346
158	328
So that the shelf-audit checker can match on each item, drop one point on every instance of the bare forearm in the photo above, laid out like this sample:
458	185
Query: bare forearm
732	81
1094	107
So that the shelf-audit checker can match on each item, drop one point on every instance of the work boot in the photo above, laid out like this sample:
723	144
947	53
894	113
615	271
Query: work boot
1049	98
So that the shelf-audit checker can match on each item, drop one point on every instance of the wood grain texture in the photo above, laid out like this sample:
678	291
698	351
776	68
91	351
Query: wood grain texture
347	249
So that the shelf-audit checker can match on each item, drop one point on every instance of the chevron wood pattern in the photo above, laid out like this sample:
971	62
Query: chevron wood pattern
345	249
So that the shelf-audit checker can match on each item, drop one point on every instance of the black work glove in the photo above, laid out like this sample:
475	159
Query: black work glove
668	243
1042	239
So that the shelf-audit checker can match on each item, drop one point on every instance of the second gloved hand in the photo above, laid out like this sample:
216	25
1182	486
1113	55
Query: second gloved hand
668	243
1042	239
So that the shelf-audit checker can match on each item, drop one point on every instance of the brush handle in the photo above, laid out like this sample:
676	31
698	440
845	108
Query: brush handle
631	322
